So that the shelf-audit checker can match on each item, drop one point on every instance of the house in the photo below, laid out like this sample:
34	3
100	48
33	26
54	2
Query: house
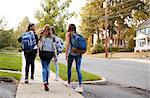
115	43
142	38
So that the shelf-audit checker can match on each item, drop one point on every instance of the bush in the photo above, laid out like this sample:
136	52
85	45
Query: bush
126	50
98	48
9	48
114	49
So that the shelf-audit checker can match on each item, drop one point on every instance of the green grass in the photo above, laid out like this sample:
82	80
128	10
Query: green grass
10	61
10	75
63	74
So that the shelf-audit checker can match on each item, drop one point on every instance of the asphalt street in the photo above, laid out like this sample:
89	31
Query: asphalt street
125	79
7	90
126	73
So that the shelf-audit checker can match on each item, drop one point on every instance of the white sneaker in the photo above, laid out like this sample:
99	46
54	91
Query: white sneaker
56	79
67	84
79	89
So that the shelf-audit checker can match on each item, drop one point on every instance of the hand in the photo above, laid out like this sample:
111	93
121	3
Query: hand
67	57
55	60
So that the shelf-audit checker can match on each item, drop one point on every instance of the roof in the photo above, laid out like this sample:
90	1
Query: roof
141	36
146	24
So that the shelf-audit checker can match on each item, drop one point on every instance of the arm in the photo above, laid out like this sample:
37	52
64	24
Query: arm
67	43
36	37
19	39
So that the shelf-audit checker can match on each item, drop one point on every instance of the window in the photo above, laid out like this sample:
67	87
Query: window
121	42
148	31
142	31
145	31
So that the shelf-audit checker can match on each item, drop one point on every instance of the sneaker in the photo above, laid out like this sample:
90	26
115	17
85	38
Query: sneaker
46	87
67	84
79	89
32	77
26	81
56	79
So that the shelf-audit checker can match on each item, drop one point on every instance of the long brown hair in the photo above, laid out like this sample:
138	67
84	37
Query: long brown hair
53	30
47	28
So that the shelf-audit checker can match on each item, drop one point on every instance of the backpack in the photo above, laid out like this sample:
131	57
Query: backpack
47	44
78	44
28	41
59	44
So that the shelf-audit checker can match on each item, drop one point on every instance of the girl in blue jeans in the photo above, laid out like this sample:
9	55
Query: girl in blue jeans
71	56
46	53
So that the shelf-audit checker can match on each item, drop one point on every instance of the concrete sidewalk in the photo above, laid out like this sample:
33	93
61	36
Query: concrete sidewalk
35	87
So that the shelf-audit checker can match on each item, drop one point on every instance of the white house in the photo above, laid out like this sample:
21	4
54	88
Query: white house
143	37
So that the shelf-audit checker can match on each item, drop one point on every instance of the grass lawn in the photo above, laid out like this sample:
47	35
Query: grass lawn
10	61
10	75
63	74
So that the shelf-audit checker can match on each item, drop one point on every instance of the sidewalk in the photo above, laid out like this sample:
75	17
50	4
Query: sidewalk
35	87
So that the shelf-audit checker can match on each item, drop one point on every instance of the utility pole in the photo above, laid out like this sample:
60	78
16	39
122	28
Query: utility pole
106	25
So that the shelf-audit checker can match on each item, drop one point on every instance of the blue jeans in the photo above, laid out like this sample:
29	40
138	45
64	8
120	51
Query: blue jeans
46	68
78	65
56	67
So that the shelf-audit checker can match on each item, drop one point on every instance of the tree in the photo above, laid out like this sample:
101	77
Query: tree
6	36
135	11
121	10
7	39
130	35
22	26
91	22
54	13
2	24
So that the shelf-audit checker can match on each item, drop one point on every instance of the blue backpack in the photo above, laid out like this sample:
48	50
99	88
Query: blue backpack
28	41
78	44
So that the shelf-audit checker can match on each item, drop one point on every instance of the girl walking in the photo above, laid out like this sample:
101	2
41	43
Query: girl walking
59	46
30	54
46	53
71	56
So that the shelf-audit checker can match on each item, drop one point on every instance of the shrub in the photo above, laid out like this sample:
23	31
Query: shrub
114	49
98	48
9	48
125	50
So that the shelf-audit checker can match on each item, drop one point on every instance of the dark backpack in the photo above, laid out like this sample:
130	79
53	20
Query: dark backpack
28	41
78	44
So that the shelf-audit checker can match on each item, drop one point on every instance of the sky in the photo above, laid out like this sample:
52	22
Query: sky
13	11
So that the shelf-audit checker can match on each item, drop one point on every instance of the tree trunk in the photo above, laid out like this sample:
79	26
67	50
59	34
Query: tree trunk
118	41
98	38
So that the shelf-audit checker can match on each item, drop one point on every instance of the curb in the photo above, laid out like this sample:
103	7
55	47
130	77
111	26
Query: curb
8	80
94	82
10	71
147	61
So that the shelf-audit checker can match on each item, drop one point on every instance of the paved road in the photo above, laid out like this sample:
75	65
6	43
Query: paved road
126	73
112	91
7	90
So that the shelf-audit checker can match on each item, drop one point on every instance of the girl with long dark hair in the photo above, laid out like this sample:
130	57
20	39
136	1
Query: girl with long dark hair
30	55
71	56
